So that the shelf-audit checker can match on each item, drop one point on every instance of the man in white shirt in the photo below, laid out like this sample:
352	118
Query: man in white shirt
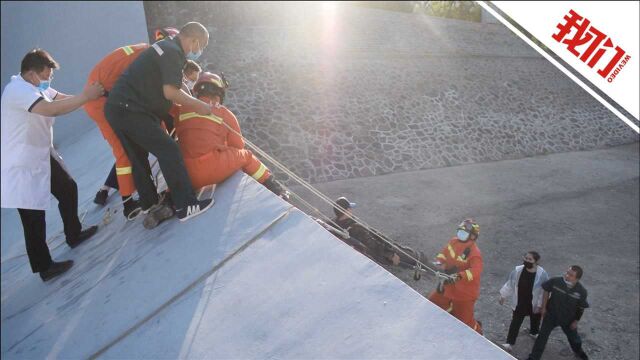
31	168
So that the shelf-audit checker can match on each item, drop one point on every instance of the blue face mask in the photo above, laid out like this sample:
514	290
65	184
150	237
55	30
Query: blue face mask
194	56
44	85
462	235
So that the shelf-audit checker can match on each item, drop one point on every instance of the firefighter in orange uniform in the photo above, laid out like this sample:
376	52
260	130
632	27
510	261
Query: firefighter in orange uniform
462	259
211	151
107	72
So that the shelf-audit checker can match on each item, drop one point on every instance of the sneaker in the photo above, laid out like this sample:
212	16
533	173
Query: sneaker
101	197
84	235
157	214
131	209
55	269
535	336
193	210
507	347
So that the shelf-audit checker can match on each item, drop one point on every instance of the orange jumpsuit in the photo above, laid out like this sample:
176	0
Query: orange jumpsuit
211	151
107	73
460	297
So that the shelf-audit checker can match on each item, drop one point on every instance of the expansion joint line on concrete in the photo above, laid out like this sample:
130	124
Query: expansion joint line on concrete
189	287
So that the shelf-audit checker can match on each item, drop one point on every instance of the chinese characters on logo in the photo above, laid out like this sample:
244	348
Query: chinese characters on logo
596	45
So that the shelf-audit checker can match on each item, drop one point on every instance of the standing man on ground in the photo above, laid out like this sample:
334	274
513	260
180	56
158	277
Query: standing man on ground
563	304
139	100
31	168
462	259
524	289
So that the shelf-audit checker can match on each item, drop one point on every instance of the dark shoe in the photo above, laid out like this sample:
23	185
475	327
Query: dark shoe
84	235
581	355
157	214
101	197
275	187
166	199
55	269
131	209
193	210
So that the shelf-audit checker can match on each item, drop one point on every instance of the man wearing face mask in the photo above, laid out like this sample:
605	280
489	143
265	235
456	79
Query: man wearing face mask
462	259
191	73
524	288
32	170
139	100
107	72
563	303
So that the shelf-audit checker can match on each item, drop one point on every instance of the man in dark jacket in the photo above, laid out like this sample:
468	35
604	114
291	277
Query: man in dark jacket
368	242
563	303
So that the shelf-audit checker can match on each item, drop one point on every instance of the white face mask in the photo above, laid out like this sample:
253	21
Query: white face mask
462	235
189	83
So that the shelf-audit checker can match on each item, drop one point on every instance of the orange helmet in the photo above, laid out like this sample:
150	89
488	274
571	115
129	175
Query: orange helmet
165	32
212	84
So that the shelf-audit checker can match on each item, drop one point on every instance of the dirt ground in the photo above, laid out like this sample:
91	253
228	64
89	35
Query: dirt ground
573	208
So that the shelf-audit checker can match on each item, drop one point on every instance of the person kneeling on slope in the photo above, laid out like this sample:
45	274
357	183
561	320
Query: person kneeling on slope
212	145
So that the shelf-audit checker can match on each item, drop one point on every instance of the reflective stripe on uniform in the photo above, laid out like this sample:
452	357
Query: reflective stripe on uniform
258	174
440	256
157	49
469	275
450	309
451	252
461	259
123	170
191	115
127	50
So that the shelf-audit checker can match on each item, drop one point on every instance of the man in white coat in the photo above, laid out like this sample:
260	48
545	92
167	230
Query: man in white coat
524	288
31	169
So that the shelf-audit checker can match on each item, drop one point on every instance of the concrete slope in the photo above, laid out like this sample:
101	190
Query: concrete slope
253	277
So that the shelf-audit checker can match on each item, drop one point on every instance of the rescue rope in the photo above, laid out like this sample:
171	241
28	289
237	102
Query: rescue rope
419	267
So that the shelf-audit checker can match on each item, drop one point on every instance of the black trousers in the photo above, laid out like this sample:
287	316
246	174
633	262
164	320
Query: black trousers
65	189
140	134
548	324
112	179
516	322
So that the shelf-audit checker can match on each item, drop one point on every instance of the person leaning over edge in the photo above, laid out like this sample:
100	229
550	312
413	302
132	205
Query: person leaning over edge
31	167
107	72
524	288
211	151
563	304
141	97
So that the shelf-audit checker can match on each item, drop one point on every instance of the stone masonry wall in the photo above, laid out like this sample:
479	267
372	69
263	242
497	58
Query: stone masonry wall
342	91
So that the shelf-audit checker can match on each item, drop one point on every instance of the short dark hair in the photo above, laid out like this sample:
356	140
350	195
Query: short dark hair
191	66
37	60
577	269
194	30
535	255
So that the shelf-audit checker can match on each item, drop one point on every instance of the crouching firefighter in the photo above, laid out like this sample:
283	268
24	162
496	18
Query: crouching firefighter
212	145
460	258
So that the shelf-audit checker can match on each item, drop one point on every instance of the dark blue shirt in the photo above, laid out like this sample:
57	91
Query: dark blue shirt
565	304
140	85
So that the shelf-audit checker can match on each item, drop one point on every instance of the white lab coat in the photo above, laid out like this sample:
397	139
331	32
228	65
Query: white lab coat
510	289
26	146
